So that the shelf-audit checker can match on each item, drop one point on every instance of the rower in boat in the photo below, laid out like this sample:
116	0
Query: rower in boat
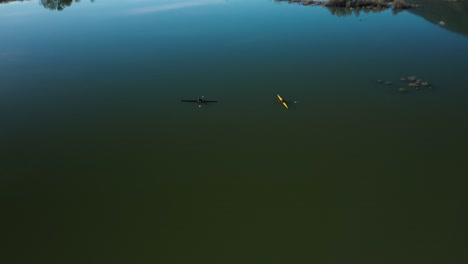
200	100
284	102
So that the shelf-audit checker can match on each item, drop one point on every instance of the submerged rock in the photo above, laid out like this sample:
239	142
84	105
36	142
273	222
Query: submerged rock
402	90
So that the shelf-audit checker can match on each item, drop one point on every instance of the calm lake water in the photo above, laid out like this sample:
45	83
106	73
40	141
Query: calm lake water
100	162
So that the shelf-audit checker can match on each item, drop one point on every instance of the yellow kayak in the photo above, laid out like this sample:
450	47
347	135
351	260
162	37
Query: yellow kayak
282	101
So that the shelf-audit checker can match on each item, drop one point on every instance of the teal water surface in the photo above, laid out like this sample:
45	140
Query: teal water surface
102	163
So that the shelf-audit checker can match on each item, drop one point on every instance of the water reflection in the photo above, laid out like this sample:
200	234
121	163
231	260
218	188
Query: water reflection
449	14
340	12
8	1
453	14
349	7
49	4
57	4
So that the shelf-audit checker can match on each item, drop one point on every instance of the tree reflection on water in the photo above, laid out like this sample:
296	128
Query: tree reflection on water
57	4
449	14
49	4
340	11
8	1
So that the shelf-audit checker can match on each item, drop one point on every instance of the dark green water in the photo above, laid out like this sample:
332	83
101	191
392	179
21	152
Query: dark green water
101	163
